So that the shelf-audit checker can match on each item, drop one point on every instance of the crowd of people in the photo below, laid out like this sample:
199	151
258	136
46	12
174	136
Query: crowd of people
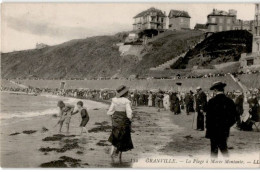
178	76
220	109
174	101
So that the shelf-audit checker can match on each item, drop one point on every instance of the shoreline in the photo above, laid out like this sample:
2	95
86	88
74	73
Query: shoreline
155	135
67	99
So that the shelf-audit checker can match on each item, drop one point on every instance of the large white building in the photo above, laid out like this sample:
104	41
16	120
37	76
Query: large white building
251	61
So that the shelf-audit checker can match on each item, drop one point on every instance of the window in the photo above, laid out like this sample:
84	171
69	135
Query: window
213	20
212	28
181	20
220	28
228	20
170	25
221	20
250	62
228	28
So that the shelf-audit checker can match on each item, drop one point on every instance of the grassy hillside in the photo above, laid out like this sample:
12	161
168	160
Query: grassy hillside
94	57
218	48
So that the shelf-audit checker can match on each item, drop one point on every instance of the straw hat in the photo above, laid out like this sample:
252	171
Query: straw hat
237	92
198	88
121	90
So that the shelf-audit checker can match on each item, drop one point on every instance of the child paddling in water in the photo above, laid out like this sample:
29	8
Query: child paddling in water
84	115
65	115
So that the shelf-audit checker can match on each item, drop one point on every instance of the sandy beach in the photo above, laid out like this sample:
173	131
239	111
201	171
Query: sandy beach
35	142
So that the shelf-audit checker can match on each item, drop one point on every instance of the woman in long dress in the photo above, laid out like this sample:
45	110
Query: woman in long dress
166	101
121	114
150	100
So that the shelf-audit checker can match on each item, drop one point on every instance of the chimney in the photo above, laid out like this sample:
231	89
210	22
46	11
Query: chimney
232	12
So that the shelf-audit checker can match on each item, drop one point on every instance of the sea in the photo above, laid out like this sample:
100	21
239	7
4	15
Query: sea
22	105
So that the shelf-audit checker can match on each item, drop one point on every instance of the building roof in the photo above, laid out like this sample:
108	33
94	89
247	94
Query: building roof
216	12
200	26
178	13
152	9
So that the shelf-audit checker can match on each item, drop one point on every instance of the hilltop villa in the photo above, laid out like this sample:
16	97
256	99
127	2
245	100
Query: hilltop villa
150	19
179	20
219	20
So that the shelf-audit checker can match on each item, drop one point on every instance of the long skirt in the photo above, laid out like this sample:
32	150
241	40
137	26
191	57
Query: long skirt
150	102
121	132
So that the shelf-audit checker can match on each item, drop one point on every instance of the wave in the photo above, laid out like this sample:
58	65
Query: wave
53	109
28	114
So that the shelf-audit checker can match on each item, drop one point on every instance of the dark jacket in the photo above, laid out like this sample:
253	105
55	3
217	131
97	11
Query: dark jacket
201	101
254	109
188	99
239	104
220	116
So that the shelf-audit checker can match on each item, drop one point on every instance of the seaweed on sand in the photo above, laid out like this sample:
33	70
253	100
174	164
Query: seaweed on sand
101	128
48	149
69	159
13	134
70	140
102	143
79	152
56	137
54	164
29	131
67	147
73	162
62	163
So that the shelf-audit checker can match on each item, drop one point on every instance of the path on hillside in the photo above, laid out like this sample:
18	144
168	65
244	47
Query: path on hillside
242	86
170	62
19	85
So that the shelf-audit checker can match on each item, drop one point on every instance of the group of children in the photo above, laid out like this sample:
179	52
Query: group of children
67	111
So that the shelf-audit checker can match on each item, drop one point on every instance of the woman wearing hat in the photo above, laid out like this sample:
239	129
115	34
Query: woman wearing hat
121	113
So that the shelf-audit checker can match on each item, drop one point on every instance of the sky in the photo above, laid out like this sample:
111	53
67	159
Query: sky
25	24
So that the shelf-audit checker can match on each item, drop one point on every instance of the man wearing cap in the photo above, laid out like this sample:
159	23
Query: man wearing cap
201	103
220	117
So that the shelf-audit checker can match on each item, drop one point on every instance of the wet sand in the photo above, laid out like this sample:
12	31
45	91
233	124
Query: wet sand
34	142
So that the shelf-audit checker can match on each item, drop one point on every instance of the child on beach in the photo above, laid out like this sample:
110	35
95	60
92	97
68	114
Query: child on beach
65	114
84	116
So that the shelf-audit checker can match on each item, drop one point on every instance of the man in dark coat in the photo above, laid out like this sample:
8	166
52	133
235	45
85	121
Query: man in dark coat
189	102
220	117
175	103
136	98
201	103
254	108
